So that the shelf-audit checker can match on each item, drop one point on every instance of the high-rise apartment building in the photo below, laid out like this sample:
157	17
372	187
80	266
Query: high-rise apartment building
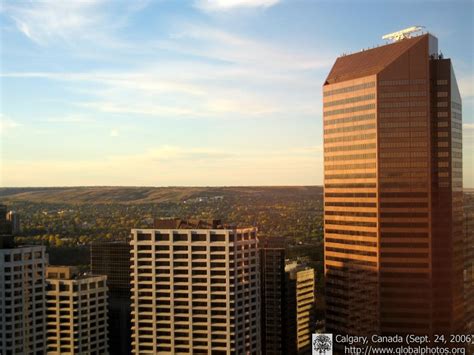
76	312
22	294
469	268
22	300
113	260
272	285
393	191
195	286
298	304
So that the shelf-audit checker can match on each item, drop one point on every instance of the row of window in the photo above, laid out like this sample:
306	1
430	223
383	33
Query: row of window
351	194
358	137
349	176
352	251
402	114
350	223
411	184
403	164
398	104
402	124
385	95
350	186
398	134
350	109
351	242
342	148
349	89
352	261
404	214
349	100
351	119
351	232
456	106
351	166
402	82
404	205
411	144
350	157
413	154
350	214
159	237
350	128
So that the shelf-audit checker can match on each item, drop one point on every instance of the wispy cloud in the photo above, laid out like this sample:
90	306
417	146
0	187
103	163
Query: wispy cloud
71	118
253	78
46	20
7	124
225	5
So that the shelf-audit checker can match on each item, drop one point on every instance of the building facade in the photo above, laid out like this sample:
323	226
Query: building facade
76	312
113	260
393	192
14	219
469	268
298	304
23	300
195	286
272	284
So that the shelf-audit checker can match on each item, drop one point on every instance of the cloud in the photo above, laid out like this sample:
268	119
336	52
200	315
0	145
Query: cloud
7	124
114	132
45	20
234	77
71	118
225	5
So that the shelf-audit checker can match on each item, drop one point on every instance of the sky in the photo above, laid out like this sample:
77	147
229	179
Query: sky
192	93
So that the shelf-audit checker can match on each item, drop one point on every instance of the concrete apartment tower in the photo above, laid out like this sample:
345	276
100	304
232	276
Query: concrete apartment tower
195	287
77	312
298	304
22	294
393	191
113	260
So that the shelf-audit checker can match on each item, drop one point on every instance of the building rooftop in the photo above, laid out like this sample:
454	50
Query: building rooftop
294	266
178	223
60	272
370	61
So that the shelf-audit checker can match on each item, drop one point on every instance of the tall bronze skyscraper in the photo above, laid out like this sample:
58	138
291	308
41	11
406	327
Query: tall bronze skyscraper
393	191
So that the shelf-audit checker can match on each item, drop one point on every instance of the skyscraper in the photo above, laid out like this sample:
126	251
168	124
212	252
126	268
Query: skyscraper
22	294
469	268
272	285
195	285
393	191
22	300
298	305
113	260
77	312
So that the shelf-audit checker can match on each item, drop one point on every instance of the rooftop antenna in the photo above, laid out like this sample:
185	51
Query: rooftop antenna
403	34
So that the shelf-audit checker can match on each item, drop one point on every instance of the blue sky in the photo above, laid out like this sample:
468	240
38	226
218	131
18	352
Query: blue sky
200	92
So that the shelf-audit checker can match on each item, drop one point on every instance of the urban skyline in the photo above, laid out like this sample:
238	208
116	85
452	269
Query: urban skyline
373	255
197	84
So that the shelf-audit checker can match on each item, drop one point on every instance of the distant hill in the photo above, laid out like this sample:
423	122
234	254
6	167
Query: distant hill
140	195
